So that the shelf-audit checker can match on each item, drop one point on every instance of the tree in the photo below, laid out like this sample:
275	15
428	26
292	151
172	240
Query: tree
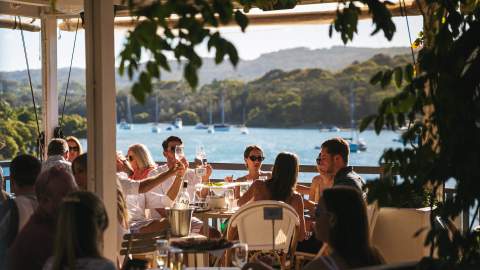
440	100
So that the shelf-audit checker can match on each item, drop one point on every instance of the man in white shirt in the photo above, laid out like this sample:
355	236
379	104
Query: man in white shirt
57	155
163	196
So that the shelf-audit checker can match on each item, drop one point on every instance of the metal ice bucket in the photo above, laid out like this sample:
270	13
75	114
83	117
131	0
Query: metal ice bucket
180	220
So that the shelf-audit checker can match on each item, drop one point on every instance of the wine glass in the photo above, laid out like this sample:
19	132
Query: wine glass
162	254
240	254
200	154
230	198
179	154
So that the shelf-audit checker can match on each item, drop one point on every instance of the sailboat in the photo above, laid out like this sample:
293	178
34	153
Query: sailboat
244	129
210	128
123	123
222	126
356	144
155	127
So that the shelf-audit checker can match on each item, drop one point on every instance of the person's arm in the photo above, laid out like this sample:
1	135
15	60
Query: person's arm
298	206
175	188
151	182
304	190
249	194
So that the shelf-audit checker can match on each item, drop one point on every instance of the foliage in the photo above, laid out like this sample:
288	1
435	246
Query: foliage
142	117
188	117
75	125
156	35
19	129
440	103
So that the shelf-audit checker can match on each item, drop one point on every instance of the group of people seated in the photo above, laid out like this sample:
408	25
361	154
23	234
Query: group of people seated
55	223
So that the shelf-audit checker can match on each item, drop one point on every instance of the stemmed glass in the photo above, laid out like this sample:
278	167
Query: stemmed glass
179	154
230	198
240	254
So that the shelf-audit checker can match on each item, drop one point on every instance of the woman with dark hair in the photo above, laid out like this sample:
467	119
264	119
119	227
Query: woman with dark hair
253	157
280	187
81	222
342	223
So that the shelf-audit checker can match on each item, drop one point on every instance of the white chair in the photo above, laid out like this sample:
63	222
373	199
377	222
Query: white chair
259	233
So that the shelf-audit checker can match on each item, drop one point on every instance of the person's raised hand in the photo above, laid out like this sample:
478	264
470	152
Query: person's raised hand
228	178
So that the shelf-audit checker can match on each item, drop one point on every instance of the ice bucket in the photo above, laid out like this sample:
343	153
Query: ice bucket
180	220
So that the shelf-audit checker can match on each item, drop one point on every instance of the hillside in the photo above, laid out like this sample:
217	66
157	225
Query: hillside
332	59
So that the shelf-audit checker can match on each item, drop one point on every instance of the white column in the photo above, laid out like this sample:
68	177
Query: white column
49	76
101	134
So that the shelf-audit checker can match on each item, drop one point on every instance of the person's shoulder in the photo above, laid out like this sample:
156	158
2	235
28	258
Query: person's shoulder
316	264
94	263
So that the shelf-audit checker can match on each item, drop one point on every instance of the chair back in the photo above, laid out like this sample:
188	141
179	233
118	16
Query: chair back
259	233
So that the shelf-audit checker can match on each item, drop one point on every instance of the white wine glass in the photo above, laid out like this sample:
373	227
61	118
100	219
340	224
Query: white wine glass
161	257
230	198
179	154
240	254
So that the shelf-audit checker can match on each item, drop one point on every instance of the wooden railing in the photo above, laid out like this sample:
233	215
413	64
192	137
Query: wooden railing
374	170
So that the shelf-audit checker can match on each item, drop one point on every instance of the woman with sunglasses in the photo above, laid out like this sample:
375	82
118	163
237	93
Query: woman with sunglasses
143	166
280	187
253	156
74	148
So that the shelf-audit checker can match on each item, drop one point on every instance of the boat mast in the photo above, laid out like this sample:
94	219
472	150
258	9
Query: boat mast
129	110
156	108
352	111
222	107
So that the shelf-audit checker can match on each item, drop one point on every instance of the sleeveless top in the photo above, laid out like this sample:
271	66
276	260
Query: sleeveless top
329	262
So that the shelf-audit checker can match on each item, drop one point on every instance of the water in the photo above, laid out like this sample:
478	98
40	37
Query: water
228	147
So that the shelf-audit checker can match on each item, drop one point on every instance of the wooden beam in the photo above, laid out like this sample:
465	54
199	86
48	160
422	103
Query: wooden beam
101	123
20	10
49	77
272	18
14	24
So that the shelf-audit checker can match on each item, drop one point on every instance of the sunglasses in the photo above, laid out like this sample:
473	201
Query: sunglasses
74	149
255	158
130	158
319	160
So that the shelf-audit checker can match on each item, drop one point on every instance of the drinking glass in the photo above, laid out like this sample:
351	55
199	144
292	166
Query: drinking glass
200	154
230	198
161	257
179	154
240	254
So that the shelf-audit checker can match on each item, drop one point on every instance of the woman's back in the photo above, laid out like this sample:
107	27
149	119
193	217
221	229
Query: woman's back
262	192
87	263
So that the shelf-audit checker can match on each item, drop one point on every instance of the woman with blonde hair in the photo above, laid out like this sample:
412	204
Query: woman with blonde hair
141	161
74	147
81	222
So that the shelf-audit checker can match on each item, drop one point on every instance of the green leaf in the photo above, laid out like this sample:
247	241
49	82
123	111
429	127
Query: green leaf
376	78
398	76
241	19
366	121
387	78
190	74
408	73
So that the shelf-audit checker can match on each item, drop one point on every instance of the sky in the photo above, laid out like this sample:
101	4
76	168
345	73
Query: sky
257	40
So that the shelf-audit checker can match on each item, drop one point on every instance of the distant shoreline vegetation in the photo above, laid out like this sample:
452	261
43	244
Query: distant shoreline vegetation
300	98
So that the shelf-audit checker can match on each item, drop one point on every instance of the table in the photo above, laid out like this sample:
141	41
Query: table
214	214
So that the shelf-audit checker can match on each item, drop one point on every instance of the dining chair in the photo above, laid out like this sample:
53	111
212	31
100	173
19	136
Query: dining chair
265	233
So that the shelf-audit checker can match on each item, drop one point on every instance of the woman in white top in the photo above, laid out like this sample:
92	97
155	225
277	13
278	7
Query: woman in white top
81	223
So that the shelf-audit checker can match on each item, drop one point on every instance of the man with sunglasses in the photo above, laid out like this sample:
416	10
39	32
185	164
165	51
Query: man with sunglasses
160	197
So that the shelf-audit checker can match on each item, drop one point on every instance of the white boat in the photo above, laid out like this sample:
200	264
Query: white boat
244	130
124	125
333	129
156	129
221	127
201	126
210	130
178	123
